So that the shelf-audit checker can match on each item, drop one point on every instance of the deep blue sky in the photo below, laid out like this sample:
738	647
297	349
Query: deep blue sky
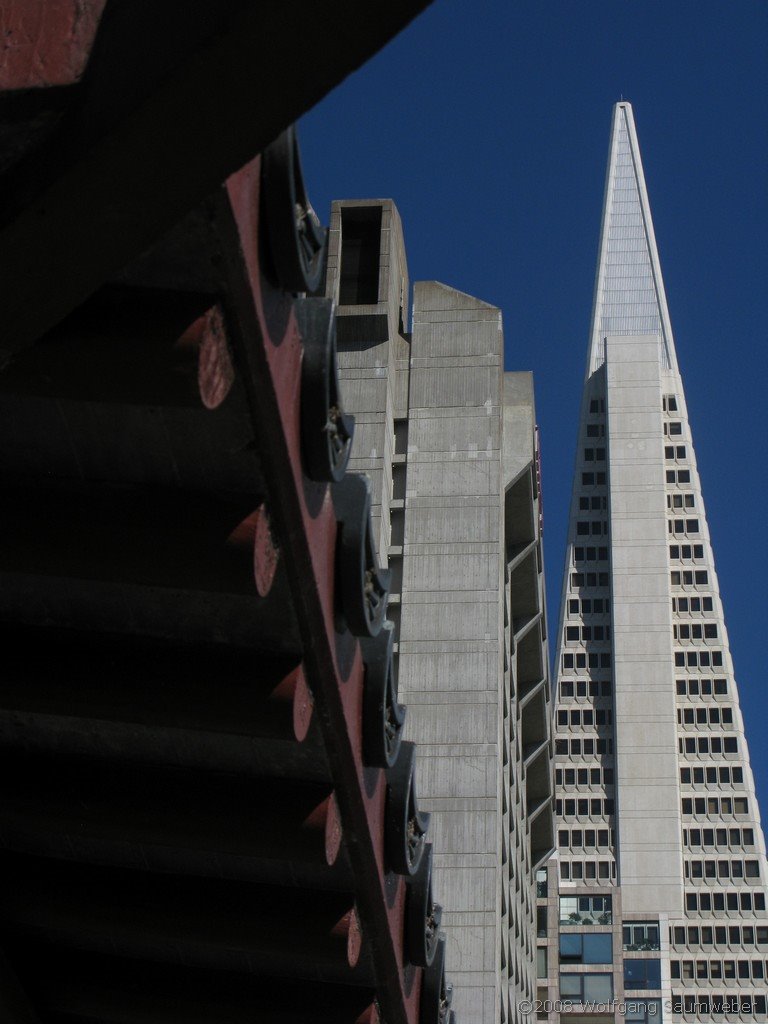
488	123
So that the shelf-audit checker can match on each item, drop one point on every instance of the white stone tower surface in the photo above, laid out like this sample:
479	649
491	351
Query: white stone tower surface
657	895
450	444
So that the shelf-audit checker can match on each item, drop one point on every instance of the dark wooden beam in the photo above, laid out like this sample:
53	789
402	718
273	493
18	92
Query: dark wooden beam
134	159
14	1005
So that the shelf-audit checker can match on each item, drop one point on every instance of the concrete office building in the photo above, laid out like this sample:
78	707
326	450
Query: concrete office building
449	442
657	895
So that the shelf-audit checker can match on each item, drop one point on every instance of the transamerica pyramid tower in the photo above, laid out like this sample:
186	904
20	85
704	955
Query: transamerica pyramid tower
654	908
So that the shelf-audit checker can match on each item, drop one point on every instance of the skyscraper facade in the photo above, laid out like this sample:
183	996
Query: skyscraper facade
657	896
449	442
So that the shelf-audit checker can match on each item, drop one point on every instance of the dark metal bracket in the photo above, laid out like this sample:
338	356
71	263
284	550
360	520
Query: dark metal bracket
296	239
326	430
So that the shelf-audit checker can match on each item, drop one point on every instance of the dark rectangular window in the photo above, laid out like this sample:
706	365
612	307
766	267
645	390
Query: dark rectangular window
360	244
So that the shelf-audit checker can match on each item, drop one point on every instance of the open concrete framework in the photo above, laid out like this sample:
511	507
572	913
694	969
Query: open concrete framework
657	896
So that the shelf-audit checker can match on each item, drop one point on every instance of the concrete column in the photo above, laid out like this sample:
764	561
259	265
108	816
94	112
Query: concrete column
648	794
451	639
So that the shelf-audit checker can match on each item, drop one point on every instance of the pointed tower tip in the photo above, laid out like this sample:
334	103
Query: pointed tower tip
629	291
623	106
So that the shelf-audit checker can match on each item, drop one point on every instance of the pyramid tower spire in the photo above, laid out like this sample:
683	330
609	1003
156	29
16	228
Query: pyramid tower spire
629	290
660	876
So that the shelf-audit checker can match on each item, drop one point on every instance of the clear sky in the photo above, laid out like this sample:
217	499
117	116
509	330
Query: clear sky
487	122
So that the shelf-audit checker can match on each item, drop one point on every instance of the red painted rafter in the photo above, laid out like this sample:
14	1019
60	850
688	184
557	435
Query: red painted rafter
271	365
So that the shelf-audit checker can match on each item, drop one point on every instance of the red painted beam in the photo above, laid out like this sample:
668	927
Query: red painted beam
46	43
268	352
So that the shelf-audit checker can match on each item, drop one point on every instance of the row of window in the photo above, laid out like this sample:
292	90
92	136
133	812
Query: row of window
595	527
594	454
599	838
583	747
587	870
586	988
682	605
694	631
713	775
589	606
707	902
686	552
590	554
595	659
641	935
669	403
583	808
686	500
586	910
573	634
586	948
722	869
598	989
596	503
678	476
675	451
645	974
584	777
715	805
673	428
590	479
718	837
595	430
589	716
708	715
585	688
687	526
698	659
708	745
589	579
719	935
701	687
729	1005
689	577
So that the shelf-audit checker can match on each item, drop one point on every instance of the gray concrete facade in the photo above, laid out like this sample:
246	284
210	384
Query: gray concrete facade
449	442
